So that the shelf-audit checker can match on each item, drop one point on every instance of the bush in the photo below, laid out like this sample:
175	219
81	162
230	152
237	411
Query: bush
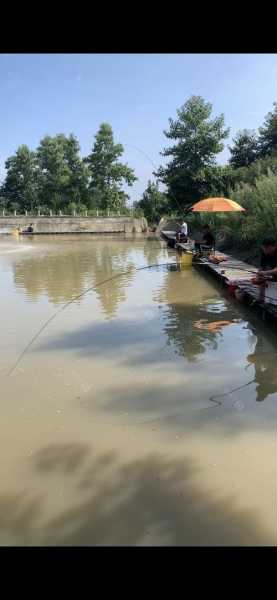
244	230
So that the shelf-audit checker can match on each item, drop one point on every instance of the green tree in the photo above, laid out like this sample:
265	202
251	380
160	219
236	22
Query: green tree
249	174
77	190
21	184
216	180
106	173
54	176
268	133
198	140
153	203
63	174
244	150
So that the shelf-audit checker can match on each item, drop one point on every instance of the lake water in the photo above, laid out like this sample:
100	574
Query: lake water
144	413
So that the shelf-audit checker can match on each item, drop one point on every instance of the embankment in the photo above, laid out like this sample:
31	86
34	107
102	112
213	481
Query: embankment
52	225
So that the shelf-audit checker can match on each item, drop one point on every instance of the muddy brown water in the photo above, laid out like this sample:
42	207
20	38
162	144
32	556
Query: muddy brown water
113	430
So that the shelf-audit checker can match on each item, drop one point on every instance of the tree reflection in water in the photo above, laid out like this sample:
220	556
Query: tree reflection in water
191	308
66	270
195	316
107	262
192	329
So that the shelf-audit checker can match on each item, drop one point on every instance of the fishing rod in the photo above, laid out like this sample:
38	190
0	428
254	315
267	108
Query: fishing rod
240	269
235	267
91	288
156	167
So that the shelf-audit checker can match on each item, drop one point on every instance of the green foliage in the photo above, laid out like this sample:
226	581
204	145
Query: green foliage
51	177
246	230
153	203
244	150
106	173
21	184
264	166
77	189
198	140
3	202
55	177
268	133
54	172
62	173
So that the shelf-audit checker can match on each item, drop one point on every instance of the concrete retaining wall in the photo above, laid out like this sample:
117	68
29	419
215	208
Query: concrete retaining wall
75	224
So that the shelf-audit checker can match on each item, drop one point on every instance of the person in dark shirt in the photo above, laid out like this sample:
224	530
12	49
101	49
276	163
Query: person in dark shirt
208	240
268	258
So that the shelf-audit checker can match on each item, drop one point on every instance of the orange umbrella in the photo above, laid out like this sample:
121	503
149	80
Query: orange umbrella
216	205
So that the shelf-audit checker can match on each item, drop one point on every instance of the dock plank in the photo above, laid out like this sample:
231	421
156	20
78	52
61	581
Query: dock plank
232	271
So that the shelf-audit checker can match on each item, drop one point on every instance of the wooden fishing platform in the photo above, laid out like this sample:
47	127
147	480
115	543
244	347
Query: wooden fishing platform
233	272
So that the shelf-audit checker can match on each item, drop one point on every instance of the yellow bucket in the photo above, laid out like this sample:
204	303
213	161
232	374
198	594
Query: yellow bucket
186	259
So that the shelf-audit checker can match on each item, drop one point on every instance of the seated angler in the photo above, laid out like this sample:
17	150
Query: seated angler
268	258
208	240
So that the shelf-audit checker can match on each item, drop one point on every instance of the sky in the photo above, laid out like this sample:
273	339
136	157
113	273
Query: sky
136	93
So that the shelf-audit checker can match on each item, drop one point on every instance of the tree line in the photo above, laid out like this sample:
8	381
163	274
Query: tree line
56	177
191	172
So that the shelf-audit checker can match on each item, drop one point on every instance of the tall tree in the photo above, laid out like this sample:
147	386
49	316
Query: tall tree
268	133
78	179
21	184
198	140
63	174
244	150
153	202
107	174
54	171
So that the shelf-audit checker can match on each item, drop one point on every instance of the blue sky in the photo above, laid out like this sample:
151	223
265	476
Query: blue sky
136	93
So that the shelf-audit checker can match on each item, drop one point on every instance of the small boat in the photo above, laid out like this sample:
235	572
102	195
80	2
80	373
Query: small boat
17	232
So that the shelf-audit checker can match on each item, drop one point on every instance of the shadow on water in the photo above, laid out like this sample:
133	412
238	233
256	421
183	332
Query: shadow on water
184	318
176	323
65	457
140	343
189	330
146	501
19	514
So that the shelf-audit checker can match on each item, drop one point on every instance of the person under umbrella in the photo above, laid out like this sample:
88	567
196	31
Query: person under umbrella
207	242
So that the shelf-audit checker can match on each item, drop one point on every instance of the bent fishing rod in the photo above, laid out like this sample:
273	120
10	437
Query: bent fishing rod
92	288
89	289
156	167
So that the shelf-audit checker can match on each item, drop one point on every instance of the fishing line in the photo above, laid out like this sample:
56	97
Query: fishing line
93	287
179	414
218	403
156	167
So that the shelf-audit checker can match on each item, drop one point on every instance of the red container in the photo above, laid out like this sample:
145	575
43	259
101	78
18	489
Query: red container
232	288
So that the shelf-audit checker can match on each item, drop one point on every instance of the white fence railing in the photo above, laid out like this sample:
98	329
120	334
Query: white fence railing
89	214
